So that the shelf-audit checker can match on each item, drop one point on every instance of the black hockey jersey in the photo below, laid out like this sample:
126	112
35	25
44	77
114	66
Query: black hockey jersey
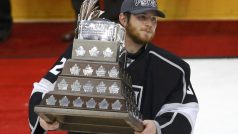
161	82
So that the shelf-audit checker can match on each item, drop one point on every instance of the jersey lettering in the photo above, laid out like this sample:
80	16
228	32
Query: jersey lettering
55	70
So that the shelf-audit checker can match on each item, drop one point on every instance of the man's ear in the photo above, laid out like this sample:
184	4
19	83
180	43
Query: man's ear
123	19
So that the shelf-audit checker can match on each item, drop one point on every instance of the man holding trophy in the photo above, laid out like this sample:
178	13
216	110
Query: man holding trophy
162	92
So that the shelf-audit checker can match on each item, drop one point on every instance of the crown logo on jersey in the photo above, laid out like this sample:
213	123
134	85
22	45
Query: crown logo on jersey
145	3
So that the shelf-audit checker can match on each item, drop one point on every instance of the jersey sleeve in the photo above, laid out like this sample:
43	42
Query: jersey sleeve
178	114
42	87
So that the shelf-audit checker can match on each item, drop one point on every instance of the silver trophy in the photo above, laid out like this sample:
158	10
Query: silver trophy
101	30
93	93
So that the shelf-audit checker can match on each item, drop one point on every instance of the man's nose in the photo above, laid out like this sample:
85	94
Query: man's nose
149	22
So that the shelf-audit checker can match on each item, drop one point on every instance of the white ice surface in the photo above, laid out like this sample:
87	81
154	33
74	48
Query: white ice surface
215	82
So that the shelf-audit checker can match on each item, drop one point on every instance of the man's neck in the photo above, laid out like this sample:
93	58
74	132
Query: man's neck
131	46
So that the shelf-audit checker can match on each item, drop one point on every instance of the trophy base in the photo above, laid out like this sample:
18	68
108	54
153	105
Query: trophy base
89	121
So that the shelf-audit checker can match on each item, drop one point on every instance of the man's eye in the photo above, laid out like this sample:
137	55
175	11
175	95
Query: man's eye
154	19
142	17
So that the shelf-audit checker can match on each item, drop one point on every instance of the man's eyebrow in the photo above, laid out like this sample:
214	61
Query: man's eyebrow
140	13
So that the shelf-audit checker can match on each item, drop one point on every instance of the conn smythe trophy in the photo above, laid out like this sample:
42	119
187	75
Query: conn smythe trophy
93	94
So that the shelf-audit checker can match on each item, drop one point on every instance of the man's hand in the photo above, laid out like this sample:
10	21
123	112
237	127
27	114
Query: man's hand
150	127
47	126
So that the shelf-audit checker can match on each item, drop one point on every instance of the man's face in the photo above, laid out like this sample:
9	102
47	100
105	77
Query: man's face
141	27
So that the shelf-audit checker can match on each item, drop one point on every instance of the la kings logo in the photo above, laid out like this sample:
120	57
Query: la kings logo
145	3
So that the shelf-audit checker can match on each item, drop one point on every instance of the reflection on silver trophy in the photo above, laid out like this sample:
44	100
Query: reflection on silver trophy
101	30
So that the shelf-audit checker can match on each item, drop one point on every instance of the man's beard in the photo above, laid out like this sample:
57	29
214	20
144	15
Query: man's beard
135	35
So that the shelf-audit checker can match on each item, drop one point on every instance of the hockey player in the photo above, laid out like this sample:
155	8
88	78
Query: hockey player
161	80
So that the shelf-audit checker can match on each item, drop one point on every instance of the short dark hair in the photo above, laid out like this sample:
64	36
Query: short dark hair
128	15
